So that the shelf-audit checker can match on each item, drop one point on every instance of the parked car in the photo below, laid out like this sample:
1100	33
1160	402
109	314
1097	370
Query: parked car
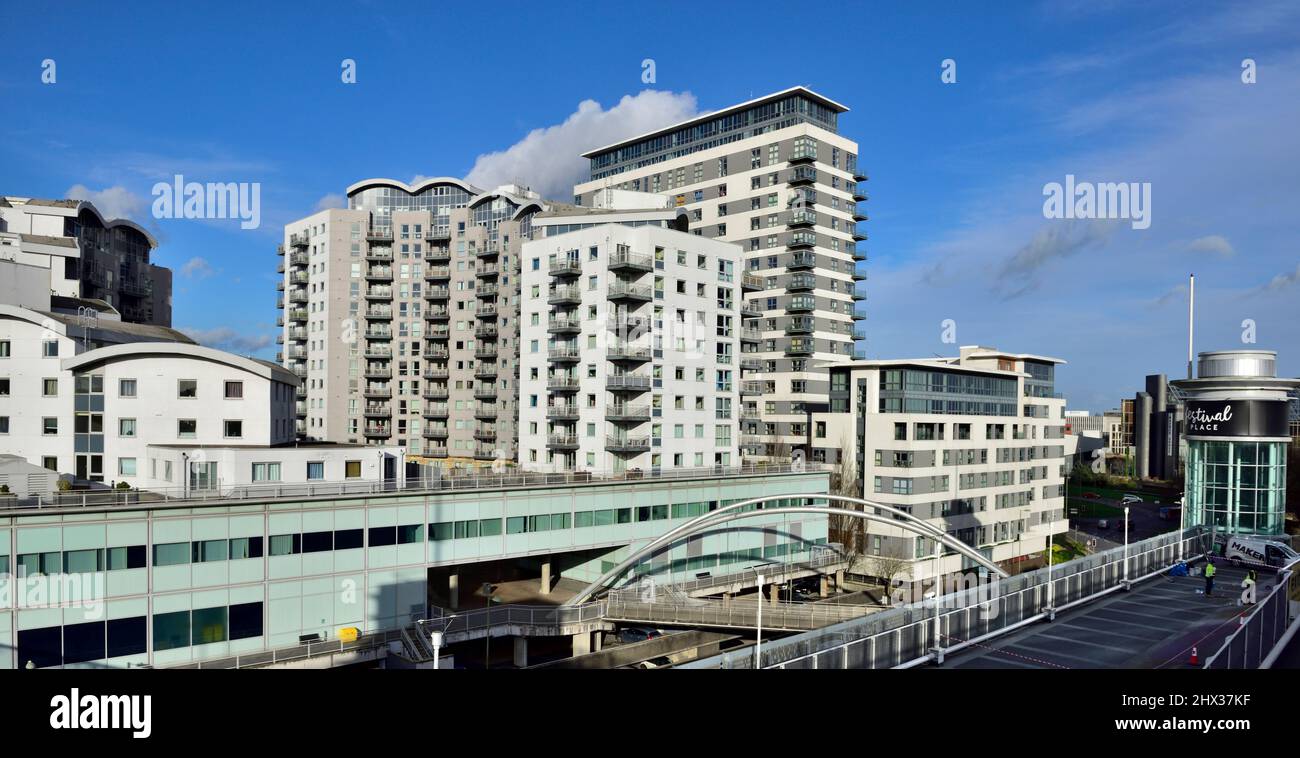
1090	496
1130	498
638	634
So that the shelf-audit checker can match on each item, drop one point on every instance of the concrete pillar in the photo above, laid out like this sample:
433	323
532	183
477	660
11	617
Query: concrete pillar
774	591
839	580
546	577
581	643
726	599
521	652
825	586
597	641
453	590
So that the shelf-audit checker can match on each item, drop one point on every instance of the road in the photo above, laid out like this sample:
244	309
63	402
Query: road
1146	523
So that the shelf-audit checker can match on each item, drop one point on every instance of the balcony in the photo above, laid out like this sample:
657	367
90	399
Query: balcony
485	433
751	282
857	256
299	370
379	274
632	292
279	286
487	271
751	364
379	314
377	410
485	392
485	371
859	214
562	383
801	219
564	295
802	260
562	411
490	249
751	388
297	353
626	412
750	414
377	390
802	175
801	305
627	444
298	240
434	451
627	383
379	255
799	348
858	276
379	234
564	266
378	372
857	296
750	310
297	333
437	293
563	325
859	174
802	240
486	310
562	441
437	233
627	324
436	410
858	235
299	278
487	452
378	431
437	353
435	432
437	254
749	334
485	411
437	273
562	354
802	283
279	320
801	325
625	260
436	373
622	352
437	313
805	154
378	334
299	259
300	408
486	290
279	249
435	392
858	315
298	296
301	391
485	351
379	293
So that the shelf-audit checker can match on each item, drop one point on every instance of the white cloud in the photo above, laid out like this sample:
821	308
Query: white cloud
197	268
332	200
549	159
1214	244
225	338
113	202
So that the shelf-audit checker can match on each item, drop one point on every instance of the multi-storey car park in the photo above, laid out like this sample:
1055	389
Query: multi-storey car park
400	316
973	444
773	175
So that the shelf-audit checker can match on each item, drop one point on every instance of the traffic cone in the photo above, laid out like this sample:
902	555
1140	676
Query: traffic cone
1196	659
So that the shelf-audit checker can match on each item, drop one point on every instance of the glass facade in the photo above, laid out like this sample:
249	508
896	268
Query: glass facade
1237	487
951	392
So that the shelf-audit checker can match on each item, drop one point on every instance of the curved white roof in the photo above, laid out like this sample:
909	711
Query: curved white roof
412	189
133	350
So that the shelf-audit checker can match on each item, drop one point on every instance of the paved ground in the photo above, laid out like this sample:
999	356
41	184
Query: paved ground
1146	523
1154	625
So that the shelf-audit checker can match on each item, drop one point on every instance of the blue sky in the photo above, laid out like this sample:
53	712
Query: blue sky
1108	92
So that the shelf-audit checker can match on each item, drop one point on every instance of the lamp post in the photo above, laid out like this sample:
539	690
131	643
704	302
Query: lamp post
1126	547
758	642
435	639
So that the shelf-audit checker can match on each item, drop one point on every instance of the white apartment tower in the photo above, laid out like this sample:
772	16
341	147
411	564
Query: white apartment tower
630	346
774	176
400	317
975	444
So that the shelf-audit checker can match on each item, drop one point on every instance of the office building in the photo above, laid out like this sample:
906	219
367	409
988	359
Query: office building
1157	430
1237	436
401	318
630	348
68	249
775	176
974	444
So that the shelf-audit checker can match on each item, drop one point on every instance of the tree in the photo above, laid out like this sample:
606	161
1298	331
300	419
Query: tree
892	562
849	531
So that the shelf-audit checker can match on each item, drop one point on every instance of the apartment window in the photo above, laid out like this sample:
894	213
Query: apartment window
4	387
187	388
316	470
234	390
126	388
4	424
50	348
49	387
187	428
234	428
266	472
4	348
126	466
352	469
126	427
49	426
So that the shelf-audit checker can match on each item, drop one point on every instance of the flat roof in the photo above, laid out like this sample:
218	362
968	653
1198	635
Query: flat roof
940	363
801	90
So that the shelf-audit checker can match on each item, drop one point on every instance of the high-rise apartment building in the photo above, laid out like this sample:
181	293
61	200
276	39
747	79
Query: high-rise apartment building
774	176
630	347
68	249
401	317
974	444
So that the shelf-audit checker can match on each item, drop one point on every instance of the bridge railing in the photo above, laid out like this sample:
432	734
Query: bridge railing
822	556
297	652
905	636
486	619
780	615
1260	631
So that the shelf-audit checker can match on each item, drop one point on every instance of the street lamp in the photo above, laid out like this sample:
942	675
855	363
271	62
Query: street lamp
435	639
1126	547
758	642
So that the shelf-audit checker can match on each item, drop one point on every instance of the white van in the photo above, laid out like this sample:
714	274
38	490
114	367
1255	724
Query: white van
1257	551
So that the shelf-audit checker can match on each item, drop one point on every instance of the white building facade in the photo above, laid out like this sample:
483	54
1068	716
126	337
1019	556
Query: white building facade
973	444
630	345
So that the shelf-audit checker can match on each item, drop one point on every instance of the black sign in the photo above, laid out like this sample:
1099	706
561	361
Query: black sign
1237	418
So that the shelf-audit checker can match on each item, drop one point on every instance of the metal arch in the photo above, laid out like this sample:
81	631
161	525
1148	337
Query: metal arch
722	515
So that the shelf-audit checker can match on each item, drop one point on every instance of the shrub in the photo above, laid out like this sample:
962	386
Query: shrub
123	486
64	485
4	489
